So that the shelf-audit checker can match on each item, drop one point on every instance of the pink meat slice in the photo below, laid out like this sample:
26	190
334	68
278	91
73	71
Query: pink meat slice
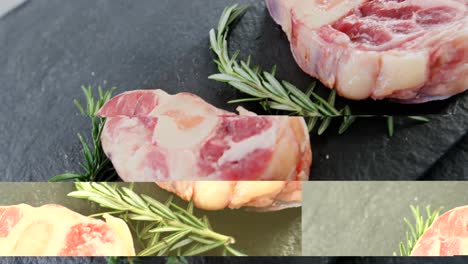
448	235
409	50
217	195
53	230
150	135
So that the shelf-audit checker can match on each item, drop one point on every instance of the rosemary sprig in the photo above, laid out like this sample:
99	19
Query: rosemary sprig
169	228
96	166
417	230
265	88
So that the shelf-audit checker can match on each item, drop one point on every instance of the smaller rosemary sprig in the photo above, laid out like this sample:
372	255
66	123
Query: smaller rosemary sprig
170	228
417	230
96	166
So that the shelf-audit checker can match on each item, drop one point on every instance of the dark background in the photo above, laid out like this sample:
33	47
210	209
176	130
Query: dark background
50	48
256	260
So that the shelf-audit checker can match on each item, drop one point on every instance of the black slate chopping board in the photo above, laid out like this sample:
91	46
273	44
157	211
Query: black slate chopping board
50	48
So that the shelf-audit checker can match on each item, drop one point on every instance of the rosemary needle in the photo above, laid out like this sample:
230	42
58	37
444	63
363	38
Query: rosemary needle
418	229
169	228
264	87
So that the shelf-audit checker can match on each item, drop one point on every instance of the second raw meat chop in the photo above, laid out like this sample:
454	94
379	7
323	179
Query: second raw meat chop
150	135
410	50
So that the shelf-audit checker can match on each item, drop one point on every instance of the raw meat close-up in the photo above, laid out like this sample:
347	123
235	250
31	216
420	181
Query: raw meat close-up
412	51
448	235
53	230
258	195
150	135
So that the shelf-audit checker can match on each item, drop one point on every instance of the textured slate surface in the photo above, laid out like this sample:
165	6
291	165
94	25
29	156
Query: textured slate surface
366	218
50	48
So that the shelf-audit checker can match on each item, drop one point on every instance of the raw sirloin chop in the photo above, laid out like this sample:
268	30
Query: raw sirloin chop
150	135
409	50
53	230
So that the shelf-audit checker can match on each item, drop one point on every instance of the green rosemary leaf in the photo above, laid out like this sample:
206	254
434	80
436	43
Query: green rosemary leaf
311	88
390	125
206	221
347	122
325	124
105	202
166	242
159	206
134	198
65	177
169	201
332	97
304	100
204	249
236	13
283	107
102	188
181	244
252	74
246	89
273	82
413	232
155	238
189	220
82	194
201	240
419	118
312	122
245	100
234	252
190	209
273	70
165	229
109	213
144	217
223	77
332	110
80	108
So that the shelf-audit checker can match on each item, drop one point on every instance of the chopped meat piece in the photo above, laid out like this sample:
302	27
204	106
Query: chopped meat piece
154	136
53	230
409	50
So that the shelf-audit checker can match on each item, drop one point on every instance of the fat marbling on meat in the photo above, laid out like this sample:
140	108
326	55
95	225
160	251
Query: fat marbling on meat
150	135
259	195
409	50
53	230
